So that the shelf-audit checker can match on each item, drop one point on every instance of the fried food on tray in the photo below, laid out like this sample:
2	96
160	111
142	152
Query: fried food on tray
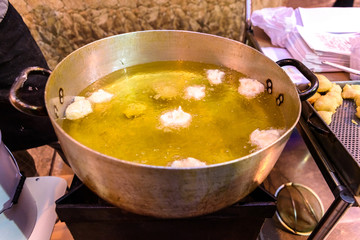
350	91
357	112
336	95
335	88
314	97
327	99
324	83
357	100
326	103
356	87
326	116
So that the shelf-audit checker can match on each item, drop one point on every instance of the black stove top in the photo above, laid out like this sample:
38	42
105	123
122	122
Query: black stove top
89	217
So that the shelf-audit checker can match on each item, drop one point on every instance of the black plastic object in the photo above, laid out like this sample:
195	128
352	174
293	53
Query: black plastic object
314	83
12	180
89	217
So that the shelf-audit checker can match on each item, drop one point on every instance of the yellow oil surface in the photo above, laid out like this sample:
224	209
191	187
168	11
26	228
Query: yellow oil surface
128	127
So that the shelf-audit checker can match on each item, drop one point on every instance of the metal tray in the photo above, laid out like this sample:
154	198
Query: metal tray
340	140
346	126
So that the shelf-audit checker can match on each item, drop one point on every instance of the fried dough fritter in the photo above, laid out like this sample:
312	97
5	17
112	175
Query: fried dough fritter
326	103
357	100
335	88
326	116
339	99
350	91
314	97
324	83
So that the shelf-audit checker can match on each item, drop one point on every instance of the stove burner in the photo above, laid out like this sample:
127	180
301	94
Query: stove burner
89	217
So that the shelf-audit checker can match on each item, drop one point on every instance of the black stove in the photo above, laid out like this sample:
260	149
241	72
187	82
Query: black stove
89	217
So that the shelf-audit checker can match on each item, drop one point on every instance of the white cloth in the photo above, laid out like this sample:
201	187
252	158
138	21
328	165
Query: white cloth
3	8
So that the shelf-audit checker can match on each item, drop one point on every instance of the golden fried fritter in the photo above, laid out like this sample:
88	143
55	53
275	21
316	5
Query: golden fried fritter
357	100
314	97
324	83
326	116
335	88
326	103
350	91
336	95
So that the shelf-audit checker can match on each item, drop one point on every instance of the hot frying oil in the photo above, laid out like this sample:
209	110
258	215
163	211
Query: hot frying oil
128	127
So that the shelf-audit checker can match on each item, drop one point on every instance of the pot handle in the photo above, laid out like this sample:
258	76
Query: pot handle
19	83
314	83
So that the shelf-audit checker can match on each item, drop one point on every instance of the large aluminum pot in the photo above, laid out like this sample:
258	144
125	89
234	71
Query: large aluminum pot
164	191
